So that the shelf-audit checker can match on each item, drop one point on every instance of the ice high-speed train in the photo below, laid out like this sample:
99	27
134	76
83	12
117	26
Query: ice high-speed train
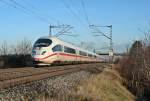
51	50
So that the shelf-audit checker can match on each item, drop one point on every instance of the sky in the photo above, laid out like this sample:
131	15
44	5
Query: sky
30	19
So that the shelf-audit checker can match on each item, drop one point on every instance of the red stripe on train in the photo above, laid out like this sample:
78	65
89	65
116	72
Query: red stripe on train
63	54
45	57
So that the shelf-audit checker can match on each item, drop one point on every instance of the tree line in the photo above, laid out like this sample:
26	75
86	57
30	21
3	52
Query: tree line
15	55
135	68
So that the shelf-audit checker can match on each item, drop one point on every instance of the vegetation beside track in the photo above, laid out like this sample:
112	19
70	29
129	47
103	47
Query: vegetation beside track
15	61
106	86
135	68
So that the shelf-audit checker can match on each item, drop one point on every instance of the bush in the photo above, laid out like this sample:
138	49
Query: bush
135	67
11	61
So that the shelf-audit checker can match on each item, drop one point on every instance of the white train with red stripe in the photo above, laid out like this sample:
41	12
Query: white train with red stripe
51	50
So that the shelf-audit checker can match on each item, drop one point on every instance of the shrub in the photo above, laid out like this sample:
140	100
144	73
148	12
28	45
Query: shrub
11	61
135	67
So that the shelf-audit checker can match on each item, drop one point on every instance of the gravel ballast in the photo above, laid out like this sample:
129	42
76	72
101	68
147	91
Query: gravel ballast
50	86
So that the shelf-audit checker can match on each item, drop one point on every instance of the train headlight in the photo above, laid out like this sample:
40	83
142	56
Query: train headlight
33	52
43	52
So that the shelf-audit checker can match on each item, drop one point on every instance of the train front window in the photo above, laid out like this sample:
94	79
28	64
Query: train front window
43	43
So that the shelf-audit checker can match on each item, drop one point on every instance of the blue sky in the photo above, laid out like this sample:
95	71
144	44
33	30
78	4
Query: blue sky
126	16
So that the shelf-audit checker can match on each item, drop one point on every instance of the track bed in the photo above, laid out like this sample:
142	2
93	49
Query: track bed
15	76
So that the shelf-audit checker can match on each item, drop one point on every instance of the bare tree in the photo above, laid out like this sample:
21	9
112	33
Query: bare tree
4	48
24	47
136	66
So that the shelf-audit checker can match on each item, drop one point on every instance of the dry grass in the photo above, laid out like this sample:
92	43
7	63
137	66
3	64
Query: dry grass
106	86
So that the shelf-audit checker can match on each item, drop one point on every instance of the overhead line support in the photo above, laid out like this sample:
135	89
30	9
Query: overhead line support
95	27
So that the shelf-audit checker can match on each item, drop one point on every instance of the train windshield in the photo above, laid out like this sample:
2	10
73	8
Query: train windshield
42	43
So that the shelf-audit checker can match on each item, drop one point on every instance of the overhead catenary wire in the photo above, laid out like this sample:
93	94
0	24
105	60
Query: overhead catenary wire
30	11
85	12
14	6
33	10
86	26
73	13
33	7
77	9
29	4
51	25
25	10
80	10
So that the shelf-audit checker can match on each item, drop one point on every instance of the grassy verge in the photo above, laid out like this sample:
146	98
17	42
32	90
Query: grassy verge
106	86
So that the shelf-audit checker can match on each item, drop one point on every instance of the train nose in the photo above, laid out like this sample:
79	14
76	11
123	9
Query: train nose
35	52
38	54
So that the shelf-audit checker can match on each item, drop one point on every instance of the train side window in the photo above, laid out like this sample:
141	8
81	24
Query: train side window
90	55
69	50
57	48
82	53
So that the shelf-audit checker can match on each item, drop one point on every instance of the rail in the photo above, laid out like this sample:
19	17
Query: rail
13	77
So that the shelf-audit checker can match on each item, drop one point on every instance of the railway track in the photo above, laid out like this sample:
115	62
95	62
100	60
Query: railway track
16	76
